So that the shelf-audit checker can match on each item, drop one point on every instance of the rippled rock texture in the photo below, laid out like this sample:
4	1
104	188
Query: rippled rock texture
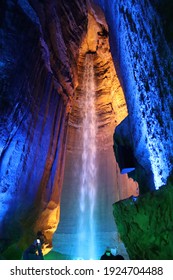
43	48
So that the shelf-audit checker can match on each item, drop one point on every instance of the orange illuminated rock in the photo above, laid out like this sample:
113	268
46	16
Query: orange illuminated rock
110	102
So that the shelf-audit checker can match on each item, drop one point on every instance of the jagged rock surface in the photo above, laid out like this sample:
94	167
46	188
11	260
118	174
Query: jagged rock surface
141	39
124	152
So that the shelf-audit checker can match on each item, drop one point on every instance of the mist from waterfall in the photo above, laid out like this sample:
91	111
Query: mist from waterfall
88	179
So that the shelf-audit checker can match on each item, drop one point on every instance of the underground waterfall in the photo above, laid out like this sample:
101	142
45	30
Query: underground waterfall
90	184
88	178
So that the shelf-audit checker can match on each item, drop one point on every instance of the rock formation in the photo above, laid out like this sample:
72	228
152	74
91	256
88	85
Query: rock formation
43	48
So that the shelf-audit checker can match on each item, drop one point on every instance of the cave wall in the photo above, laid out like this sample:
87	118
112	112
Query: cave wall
37	67
141	46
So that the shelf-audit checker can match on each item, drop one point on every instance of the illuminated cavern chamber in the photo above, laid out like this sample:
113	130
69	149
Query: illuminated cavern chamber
35	94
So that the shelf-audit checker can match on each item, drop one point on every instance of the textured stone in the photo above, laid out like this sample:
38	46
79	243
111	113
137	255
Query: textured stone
110	102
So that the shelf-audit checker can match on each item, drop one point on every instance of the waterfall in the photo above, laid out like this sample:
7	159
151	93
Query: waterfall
88	177
87	224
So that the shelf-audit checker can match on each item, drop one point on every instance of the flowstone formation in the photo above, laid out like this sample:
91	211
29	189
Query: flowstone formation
40	47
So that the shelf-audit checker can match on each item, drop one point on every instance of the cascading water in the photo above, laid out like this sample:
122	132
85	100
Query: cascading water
88	184
87	225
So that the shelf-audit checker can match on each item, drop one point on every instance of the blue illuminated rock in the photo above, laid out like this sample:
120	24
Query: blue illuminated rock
142	51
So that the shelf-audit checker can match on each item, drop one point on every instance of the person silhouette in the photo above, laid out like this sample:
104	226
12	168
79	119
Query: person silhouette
34	251
109	256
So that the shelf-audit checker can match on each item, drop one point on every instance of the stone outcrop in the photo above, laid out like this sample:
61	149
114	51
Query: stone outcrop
125	156
145	224
110	102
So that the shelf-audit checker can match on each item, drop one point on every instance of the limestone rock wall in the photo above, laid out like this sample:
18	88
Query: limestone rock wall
37	78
